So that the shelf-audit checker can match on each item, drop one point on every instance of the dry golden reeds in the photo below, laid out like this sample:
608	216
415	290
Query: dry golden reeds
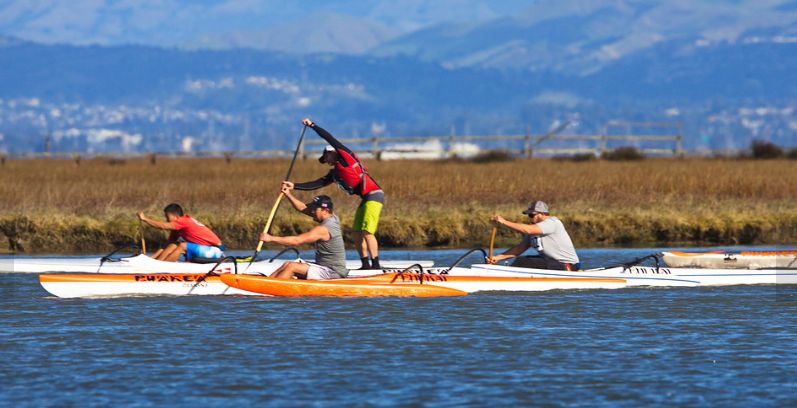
446	203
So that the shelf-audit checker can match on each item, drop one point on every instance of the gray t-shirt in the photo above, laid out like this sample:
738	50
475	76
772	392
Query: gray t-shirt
554	242
332	253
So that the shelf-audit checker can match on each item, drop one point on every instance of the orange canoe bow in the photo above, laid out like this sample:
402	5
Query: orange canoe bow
334	287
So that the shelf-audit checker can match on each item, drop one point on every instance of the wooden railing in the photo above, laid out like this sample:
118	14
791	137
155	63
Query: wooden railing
527	145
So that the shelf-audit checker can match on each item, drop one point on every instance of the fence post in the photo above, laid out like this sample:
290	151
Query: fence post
604	141
47	141
679	142
375	147
451	141
153	159
527	143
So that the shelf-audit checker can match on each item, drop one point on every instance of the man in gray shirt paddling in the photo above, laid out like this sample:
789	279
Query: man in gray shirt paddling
330	253
546	234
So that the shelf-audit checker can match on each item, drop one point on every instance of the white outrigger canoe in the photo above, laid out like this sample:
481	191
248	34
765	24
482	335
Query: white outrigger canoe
174	284
140	264
477	278
731	260
655	276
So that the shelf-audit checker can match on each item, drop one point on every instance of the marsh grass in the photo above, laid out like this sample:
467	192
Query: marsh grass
56	205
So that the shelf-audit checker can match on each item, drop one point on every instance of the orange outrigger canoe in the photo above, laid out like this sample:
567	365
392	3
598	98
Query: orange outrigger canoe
335	287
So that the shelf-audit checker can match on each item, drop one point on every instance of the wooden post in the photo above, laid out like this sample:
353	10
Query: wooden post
47	146
375	147
3	159
153	159
451	141
228	157
76	159
604	142
527	143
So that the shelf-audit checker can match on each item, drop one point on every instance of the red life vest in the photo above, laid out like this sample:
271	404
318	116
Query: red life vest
353	177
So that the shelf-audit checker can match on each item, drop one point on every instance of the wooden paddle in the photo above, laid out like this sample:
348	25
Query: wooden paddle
279	198
143	242
492	241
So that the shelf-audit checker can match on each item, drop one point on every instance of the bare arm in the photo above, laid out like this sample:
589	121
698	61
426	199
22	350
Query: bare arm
510	253
318	233
525	229
156	224
297	204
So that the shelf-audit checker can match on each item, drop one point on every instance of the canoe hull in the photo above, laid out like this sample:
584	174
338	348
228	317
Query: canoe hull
460	280
651	276
335	287
100	285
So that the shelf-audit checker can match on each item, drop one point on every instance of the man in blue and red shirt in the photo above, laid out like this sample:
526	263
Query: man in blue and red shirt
351	175
188	236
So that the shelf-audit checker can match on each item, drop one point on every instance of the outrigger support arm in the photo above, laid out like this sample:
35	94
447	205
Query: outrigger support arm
462	258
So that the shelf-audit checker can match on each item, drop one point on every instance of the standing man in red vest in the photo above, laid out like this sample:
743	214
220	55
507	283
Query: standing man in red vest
351	175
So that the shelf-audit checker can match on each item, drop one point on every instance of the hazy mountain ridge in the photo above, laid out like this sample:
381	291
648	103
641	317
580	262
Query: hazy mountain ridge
159	97
582	37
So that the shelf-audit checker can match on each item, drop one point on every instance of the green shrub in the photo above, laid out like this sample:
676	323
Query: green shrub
579	157
493	156
765	150
625	153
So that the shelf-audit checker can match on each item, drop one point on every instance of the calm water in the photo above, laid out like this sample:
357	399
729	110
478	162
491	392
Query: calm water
718	346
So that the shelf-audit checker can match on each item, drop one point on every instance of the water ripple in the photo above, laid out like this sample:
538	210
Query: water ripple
688	346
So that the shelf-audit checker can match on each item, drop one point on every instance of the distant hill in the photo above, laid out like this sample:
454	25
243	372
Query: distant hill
244	98
582	37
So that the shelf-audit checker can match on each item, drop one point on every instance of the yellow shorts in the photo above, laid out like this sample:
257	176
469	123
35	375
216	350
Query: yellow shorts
367	216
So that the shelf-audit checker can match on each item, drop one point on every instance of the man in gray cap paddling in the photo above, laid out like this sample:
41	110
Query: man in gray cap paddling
546	234
330	253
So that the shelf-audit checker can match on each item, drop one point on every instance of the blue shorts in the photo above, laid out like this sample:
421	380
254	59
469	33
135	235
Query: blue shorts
193	250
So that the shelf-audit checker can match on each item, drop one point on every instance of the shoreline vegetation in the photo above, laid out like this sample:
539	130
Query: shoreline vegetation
60	206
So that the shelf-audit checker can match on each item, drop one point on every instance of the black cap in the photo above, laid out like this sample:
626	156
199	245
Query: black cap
321	201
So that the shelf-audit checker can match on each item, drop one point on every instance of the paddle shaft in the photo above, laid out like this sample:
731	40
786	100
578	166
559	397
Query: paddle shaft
279	198
143	242
269	221
492	241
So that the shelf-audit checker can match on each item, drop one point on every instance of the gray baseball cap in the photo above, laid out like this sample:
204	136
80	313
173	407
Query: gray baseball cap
537	207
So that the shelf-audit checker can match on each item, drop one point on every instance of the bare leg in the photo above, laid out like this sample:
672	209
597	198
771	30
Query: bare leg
181	249
174	255
363	247
163	253
289	270
371	243
278	272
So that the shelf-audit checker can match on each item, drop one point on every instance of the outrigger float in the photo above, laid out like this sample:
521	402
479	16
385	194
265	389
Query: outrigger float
732	260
